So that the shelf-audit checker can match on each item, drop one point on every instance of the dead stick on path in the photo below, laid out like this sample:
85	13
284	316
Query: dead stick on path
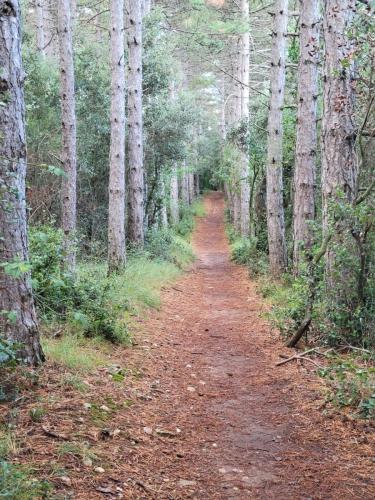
296	356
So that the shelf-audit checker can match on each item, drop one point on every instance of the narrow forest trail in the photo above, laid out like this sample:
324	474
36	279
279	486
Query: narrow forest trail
220	420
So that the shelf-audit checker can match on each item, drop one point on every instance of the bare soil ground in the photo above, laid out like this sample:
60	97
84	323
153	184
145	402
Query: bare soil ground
203	412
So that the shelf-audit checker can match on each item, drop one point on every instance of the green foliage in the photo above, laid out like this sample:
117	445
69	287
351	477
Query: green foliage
37	414
346	309
351	385
8	353
242	249
81	301
17	483
245	251
288	298
166	245
187	218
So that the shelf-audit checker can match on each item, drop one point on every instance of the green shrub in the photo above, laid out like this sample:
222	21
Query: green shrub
288	298
351	385
81	301
94	304
166	245
242	249
52	289
245	251
186	224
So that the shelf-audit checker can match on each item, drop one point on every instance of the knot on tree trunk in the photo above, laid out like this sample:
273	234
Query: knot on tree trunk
7	8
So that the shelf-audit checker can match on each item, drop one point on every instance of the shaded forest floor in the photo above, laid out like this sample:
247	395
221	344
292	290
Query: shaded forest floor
197	409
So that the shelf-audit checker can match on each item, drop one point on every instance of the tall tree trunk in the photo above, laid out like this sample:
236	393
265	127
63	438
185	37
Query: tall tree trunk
244	77
40	31
197	189
69	134
135	124
116	209
174	208
185	186
163	209
18	320
191	188
339	160
275	209
306	139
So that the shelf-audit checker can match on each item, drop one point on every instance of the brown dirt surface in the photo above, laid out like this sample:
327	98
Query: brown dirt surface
203	413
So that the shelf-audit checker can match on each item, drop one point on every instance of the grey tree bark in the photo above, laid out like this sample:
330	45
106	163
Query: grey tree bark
163	210
40	28
275	209
306	134
135	124
116	208
69	135
197	188
339	160
18	320
146	7
191	187
185	186
244	97
174	206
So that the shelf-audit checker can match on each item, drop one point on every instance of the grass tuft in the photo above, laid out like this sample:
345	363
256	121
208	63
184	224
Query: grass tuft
74	352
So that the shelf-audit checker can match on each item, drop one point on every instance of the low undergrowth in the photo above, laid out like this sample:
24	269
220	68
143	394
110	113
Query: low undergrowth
351	383
77	312
350	380
17	482
81	319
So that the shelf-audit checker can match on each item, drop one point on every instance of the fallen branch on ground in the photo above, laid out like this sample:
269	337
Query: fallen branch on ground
296	356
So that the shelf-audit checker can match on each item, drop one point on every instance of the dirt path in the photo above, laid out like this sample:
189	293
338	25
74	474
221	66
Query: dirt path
239	427
202	412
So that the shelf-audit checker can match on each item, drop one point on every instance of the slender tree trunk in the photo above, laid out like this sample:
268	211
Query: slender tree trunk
244	77
191	188
174	208
18	320
306	139
135	124
185	186
50	23
197	189
275	209
339	160
40	31
223	128
116	209
164	212
68	119
235	120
